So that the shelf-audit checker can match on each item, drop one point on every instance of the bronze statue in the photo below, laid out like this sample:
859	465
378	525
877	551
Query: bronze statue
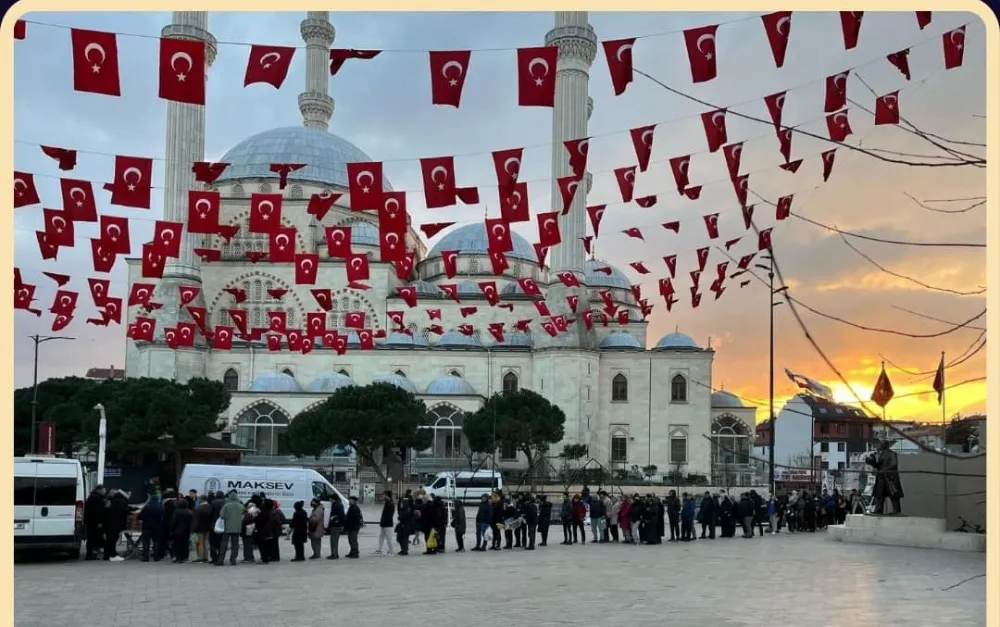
887	484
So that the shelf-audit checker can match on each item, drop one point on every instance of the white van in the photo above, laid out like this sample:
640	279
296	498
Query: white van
465	486
49	493
284	485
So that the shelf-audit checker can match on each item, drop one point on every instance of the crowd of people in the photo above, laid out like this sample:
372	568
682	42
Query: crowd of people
209	528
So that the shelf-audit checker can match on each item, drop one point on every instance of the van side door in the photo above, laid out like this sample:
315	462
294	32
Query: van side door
55	500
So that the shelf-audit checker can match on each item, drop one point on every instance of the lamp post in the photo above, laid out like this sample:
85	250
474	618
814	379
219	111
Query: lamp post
38	339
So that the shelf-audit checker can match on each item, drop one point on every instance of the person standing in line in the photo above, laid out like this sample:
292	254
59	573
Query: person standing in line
231	516
614	515
579	515
625	519
638	515
566	516
687	518
215	539
266	530
706	516
530	513
115	522
169	505
335	526
674	516
300	530
385	524
772	514
497	520
150	518
180	531
315	528
202	529
251	509
544	519
353	521
93	521
404	528
484	517
458	524
746	511
597	519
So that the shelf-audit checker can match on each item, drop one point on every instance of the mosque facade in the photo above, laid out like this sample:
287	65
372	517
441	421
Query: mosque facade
635	401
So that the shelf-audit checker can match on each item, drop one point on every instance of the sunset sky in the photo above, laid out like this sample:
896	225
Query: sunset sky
383	106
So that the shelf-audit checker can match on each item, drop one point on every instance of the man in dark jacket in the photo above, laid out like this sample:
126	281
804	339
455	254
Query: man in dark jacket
440	522
597	519
385	524
530	513
544	518
726	517
215	539
404	529
674	516
335	526
151	520
93	521
115	522
484	518
706	516
203	528
352	525
497	504
458	524
180	531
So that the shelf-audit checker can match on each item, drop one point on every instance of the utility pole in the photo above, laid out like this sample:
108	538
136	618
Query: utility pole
38	339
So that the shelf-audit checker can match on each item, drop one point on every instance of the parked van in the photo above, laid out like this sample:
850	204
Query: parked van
49	493
284	485
465	486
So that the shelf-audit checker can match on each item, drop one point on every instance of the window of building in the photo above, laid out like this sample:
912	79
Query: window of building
619	388
619	448
508	452
825	465
678	449
824	428
841	465
261	428
509	383
824	447
678	389
841	428
231	380
841	446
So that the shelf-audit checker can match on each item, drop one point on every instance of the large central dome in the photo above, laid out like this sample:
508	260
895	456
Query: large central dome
470	239
325	154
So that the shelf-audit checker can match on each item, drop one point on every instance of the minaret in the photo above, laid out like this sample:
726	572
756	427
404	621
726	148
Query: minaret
185	145
577	45
315	102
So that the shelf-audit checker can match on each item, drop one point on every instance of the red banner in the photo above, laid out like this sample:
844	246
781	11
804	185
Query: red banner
46	438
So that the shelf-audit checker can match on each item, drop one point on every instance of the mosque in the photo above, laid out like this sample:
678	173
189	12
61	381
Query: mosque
635	401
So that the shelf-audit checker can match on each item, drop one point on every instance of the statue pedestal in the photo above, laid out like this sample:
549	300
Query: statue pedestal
911	531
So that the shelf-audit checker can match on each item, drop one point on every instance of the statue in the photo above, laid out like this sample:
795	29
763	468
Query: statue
887	484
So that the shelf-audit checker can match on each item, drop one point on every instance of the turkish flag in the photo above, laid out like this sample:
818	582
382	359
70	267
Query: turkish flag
188	293
778	26
489	289
111	311
203	211
323	297
828	158
783	208
887	109
140	293
499	235
550	327
64	302
901	61
642	141
449	259
133	184
265	213
25	192
276	294
315	324
182	70
732	242
596	212
365	185
254	256
541	252
578	150
775	104
65	157
208	172
836	92
496	330
838	126
306	267
712	225
409	295
440	187
338	242
733	153
626	181
679	166
646	201
99	290
671	261
791	166
507	164
228	231
185	333
568	279
339	55
357	267
702	255
277	321
764	239
392	212
153	261
673	225
923	19
239	318
283	170
59	229
740	184
618	52
404	265
514	206
715	128
78	199
268	64
693	193
954	48
102	255
529	286
433	228
536	76
144	328
320	204
200	317
700	43
397	318
748	216
542	307
355	320
745	260
222	338
548	228
281	245
448	71
785	143
95	62
639	267
167	237
850	23
633	232
274	343
208	255
883	392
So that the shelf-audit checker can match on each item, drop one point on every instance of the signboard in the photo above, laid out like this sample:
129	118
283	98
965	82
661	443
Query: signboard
46	438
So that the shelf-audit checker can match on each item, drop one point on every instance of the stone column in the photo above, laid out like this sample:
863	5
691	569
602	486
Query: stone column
315	102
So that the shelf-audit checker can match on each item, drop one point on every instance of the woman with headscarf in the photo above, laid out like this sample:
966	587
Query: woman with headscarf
316	528
300	530
265	531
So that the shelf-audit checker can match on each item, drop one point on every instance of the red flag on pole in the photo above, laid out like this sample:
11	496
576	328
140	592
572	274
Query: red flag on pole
883	391
938	384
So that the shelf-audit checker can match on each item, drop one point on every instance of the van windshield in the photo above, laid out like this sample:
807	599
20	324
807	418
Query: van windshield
439	483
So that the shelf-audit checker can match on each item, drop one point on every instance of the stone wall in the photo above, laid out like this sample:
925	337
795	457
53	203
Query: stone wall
925	484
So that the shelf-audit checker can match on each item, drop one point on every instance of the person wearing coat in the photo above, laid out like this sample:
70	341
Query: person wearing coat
484	518
150	521
202	528
579	515
625	519
614	515
335	526
115	521
566	516
638	515
169	505
385	524
687	518
544	519
180	531
706	516
231	515
316	528
530	513
353	521
266	530
300	530
458	524
404	528
440	522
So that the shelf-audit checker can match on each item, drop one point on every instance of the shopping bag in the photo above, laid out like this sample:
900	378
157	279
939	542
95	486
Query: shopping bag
432	541
220	526
487	535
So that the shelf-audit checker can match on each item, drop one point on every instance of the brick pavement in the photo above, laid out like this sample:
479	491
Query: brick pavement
780	581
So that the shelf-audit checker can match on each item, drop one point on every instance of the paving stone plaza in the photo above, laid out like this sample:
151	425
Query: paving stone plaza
801	579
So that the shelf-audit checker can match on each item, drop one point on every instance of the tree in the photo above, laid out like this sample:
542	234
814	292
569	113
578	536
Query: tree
571	456
369	418
523	420
139	412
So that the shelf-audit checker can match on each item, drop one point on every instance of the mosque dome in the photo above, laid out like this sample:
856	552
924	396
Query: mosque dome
515	339
725	399
330	382
457	339
471	239
325	154
450	385
425	288
469	288
364	233
676	341
399	339
398	380
619	340
275	382
594	278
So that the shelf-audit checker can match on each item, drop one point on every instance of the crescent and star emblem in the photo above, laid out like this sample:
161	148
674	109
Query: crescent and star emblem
128	173
365	175
268	59
96	65
708	37
167	235
499	231
186	58
622	49
59	223
203	213
391	239
78	191
452	80
719	119
840	118
549	224
394	203
647	137
512	171
282	241
539	78
785	21
260	208
19	184
306	265
434	176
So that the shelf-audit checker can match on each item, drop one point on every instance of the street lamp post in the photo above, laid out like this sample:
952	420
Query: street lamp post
38	339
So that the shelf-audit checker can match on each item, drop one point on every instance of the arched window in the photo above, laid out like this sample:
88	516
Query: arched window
731	440
258	294
473	266
288	372
619	388
509	383
231	380
678	389
678	446
619	448
261	428
448	442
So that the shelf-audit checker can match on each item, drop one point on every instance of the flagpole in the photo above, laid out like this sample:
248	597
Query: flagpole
944	440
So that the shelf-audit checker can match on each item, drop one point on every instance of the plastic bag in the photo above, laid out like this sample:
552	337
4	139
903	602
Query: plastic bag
488	535
432	541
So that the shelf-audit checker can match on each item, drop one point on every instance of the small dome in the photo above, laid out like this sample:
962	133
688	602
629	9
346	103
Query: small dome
450	385
469	288
274	382
515	339
353	339
364	233
618	340
723	398
398	380
325	154
677	341
599	279
457	339
399	339
330	382
512	289
426	289
471	239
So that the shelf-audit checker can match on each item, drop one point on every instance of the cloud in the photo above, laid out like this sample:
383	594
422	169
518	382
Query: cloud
383	106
